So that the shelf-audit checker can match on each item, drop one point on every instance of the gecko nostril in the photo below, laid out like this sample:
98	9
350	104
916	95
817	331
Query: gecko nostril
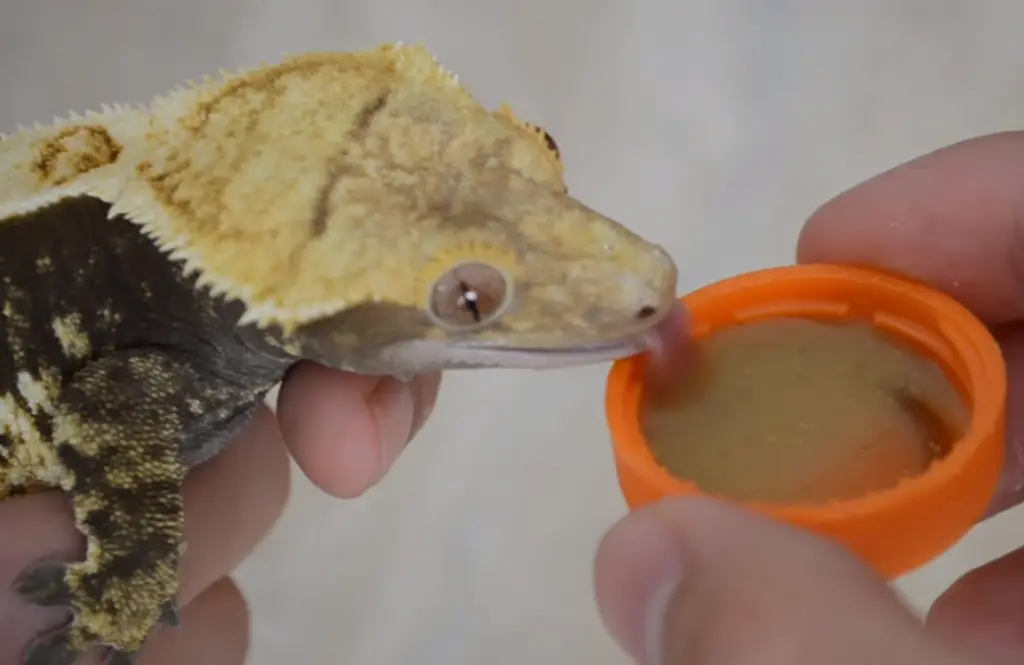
646	312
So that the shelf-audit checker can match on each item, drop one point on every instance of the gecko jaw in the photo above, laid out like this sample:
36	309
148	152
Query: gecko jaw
663	340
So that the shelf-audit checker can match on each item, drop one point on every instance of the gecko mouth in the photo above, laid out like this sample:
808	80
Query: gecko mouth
665	341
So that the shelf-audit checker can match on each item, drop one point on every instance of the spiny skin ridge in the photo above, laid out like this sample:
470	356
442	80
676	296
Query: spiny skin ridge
169	139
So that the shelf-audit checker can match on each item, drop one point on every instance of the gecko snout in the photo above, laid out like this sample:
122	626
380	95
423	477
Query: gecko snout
650	296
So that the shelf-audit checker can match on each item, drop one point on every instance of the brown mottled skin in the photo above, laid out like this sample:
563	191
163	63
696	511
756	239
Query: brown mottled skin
163	267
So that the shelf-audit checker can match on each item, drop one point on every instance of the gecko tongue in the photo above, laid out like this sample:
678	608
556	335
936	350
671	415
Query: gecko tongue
670	351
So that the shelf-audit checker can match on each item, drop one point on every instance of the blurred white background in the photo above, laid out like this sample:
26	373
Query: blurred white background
711	126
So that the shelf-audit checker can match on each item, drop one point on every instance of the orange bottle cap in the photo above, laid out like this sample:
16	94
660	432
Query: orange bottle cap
895	530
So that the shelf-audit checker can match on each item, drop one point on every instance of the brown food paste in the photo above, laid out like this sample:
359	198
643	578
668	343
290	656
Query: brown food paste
794	410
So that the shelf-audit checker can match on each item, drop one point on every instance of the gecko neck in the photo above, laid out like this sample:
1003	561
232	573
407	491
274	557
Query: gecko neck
78	284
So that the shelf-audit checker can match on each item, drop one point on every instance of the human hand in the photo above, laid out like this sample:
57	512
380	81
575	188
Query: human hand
695	582
343	431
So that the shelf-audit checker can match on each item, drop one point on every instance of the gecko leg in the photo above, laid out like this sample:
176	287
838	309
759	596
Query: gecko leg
118	435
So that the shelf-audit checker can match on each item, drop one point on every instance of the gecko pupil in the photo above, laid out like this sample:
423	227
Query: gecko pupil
469	300
467	295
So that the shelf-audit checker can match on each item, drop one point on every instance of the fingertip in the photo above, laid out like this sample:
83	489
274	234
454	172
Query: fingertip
950	218
813	241
635	558
330	429
345	430
679	579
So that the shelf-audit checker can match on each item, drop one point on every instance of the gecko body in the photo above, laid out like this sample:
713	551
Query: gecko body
163	266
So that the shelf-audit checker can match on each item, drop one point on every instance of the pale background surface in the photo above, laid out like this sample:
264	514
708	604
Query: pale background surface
713	127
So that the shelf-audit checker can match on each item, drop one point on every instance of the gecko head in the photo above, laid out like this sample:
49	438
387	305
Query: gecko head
418	230
562	286
480	257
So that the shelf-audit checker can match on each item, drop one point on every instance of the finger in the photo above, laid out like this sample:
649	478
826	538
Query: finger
231	503
346	430
214	631
699	582
952	218
985	609
1010	491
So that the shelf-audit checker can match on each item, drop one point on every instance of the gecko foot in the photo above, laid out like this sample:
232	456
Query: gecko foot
96	621
43	585
115	657
54	648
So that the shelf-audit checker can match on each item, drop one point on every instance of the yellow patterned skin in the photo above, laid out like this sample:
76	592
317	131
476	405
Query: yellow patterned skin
163	266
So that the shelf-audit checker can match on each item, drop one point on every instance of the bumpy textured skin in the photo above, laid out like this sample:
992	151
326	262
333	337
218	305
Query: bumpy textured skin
163	266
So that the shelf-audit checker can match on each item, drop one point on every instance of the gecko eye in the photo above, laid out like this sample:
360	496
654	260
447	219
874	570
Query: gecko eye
468	295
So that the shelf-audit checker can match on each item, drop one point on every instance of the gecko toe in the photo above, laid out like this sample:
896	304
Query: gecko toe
171	615
118	657
44	584
52	648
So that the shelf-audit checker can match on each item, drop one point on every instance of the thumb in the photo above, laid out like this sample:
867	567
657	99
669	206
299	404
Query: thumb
695	582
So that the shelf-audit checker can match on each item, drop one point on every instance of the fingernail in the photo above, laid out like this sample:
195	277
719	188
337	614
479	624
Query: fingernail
423	410
654	621
424	391
644	567
395	411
